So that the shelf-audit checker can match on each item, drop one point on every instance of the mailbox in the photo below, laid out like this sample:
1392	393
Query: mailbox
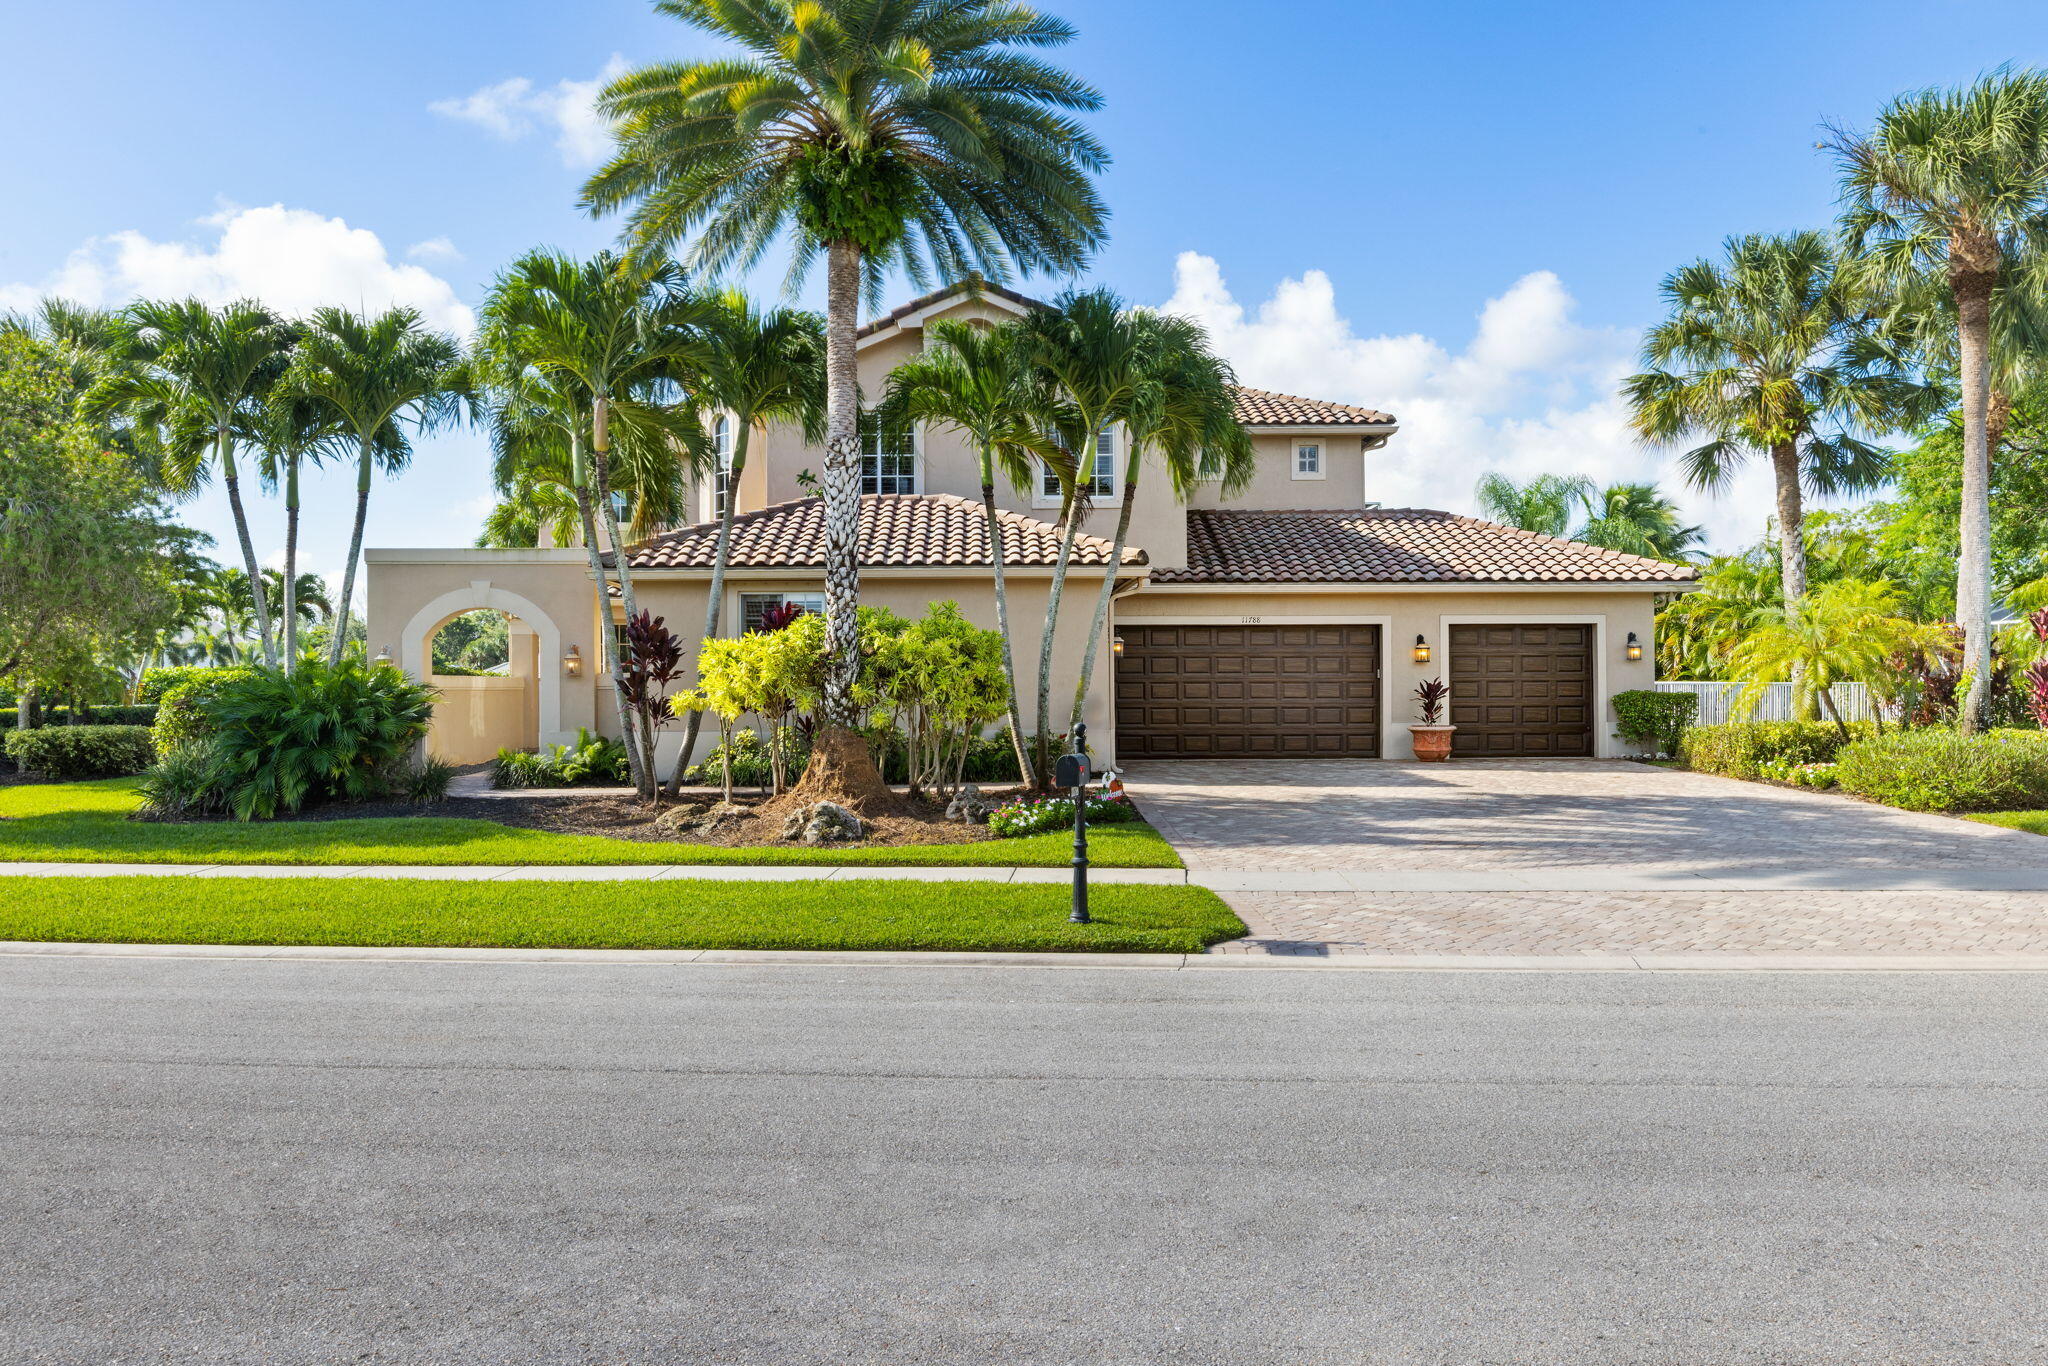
1071	771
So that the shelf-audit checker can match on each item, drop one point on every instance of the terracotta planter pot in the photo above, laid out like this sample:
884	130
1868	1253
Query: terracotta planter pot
1432	743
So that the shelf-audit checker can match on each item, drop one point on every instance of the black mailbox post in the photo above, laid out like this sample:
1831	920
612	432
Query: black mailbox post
1072	773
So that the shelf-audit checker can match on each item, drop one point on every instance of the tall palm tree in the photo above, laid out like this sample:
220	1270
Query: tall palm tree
1185	412
1545	505
376	376
580	352
1637	519
753	368
1954	184
192	378
290	431
980	382
882	133
1772	352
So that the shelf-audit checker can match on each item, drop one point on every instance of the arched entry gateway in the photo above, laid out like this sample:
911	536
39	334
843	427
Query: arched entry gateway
479	715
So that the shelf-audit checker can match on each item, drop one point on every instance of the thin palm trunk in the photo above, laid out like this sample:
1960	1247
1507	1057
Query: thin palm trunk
716	601
1791	541
995	550
604	619
842	486
1973	565
364	465
1116	559
291	562
1042	742
231	477
600	469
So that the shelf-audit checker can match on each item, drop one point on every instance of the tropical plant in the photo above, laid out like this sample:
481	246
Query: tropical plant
944	686
1841	632
1037	815
1941	770
193	379
1430	695
291	431
753	368
1545	504
1773	352
530	508
1755	749
1954	184
70	752
652	659
375	377
1637	519
590	760
880	135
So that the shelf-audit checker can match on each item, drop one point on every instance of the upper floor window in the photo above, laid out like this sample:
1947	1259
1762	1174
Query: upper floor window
755	607
1308	460
721	444
1101	472
888	457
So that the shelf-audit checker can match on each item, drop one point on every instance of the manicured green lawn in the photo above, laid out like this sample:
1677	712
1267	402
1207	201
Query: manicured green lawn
2033	822
692	914
86	823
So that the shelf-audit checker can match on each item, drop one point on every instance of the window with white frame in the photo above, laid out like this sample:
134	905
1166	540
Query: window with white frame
755	607
1308	459
1101	481
722	445
888	456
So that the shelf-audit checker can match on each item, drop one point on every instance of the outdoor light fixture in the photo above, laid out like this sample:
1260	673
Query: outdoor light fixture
1421	650
1635	647
572	662
1116	646
383	656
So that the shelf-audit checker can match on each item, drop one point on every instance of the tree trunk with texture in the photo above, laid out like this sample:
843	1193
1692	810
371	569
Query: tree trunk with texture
640	736
1102	599
604	618
1041	775
291	563
1791	543
355	553
232	477
995	550
841	769
1973	565
714	605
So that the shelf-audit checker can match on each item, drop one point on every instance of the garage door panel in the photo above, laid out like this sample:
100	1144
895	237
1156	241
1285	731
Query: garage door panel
1273	691
1522	691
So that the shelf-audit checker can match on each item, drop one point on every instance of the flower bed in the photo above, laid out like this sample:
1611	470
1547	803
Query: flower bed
1037	815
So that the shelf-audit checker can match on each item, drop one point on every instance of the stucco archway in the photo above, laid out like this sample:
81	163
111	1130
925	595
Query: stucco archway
417	638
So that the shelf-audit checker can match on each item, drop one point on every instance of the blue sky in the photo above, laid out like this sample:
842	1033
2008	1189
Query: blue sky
1458	212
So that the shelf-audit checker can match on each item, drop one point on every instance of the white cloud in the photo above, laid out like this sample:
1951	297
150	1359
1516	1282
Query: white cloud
434	249
1532	392
517	108
294	260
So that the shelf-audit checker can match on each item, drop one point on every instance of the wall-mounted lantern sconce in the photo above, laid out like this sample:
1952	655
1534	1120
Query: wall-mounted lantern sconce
572	662
1635	647
1421	650
383	656
1116	646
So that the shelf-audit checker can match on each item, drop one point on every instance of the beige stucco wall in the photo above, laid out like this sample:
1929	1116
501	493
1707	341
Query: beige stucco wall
1430	613
1275	485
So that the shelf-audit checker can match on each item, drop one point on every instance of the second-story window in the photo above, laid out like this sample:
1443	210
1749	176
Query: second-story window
721	442
888	457
1308	460
1101	482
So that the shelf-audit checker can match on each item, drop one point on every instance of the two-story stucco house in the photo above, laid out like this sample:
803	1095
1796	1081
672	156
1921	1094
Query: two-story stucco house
1292	620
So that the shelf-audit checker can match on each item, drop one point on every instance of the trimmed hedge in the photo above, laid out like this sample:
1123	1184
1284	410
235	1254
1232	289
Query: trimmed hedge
181	717
1944	770
111	715
1644	716
1747	749
82	751
156	682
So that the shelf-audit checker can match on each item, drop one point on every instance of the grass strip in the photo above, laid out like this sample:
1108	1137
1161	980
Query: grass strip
2033	822
692	914
87	823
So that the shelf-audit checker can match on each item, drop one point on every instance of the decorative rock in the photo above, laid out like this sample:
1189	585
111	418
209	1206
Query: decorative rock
970	806
680	818
720	816
831	823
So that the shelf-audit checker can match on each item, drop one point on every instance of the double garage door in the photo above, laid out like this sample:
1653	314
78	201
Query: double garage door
1277	692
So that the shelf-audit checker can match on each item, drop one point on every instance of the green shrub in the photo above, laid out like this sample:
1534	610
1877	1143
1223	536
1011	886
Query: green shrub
82	751
591	760
1944	770
429	782
185	783
1031	817
180	715
156	682
1742	749
111	715
1643	716
320	733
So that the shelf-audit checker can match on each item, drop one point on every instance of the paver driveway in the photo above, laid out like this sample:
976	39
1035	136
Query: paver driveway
1586	856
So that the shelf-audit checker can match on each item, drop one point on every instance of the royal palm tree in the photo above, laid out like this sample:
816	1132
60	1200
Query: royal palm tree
880	134
980	381
289	432
1545	505
1184	411
377	376
752	368
192	379
1772	352
1637	519
580	352
1953	184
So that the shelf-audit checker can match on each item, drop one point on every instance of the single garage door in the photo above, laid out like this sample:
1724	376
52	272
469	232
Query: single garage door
1202	692
1522	691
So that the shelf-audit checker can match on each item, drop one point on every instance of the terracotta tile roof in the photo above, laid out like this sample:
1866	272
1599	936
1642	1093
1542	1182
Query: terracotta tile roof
1258	408
1394	545
909	529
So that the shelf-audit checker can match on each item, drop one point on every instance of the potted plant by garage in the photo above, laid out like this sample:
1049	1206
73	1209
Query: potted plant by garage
1432	735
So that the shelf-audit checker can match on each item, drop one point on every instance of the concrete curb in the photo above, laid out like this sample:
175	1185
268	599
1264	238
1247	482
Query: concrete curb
1164	962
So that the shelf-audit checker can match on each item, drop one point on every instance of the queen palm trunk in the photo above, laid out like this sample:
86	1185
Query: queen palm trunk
355	548
605	631
1042	743
1973	565
1116	559
642	736
995	552
231	477
716	602
291	564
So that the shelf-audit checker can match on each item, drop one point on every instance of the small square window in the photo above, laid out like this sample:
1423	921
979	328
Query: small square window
1102	484
888	458
1308	459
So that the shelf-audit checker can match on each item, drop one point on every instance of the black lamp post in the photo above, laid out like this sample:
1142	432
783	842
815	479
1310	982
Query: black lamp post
1072	773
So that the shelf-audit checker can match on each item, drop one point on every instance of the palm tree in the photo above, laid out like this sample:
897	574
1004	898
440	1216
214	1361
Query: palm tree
375	376
289	431
1544	505
1185	411
580	351
1772	352
531	504
980	381
1840	632
192	379
753	368
882	133
1954	184
1637	519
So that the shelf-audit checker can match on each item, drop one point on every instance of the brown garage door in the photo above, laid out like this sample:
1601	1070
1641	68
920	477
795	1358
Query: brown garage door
1522	691
1198	692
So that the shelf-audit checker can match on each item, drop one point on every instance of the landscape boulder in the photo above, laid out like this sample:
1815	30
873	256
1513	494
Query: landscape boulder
970	806
824	823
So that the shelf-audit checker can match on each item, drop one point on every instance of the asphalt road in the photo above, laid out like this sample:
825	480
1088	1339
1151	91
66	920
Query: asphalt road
448	1163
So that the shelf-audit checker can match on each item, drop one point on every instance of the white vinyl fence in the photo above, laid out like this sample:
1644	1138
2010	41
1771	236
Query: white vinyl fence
1718	701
